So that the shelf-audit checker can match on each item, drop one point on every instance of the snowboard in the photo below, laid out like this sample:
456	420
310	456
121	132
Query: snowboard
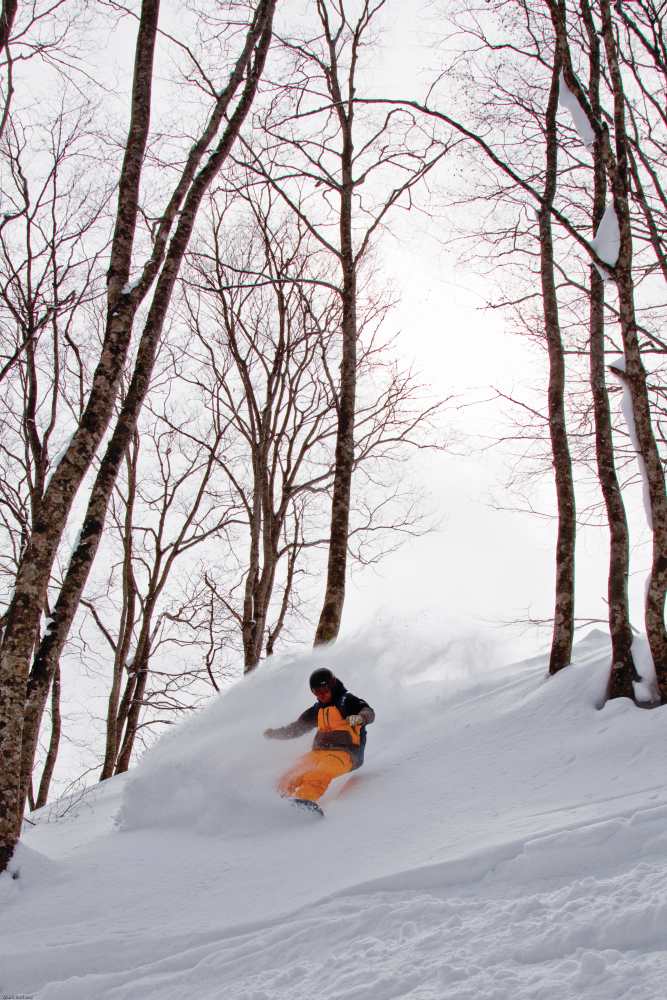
306	805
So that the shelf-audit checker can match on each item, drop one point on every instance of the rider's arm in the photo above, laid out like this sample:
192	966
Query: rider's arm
357	706
306	721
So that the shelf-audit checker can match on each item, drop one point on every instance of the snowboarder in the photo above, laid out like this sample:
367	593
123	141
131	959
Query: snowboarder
341	719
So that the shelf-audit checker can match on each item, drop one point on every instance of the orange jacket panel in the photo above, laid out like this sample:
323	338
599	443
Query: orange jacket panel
330	720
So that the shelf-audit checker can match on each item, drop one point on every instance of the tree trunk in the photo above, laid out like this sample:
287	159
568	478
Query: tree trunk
122	649
7	16
334	595
273	633
622	671
123	713
133	699
636	373
249	624
54	743
133	716
622	665
262	596
563	629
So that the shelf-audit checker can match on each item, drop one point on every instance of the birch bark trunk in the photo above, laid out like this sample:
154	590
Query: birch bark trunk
334	594
7	15
622	671
563	628
635	372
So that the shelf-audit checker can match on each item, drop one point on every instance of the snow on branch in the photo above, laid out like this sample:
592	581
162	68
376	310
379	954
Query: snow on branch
607	240
568	100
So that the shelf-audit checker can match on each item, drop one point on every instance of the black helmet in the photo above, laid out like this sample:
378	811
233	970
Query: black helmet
321	678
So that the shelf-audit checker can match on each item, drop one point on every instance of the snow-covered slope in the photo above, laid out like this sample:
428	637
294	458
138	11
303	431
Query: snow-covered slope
505	839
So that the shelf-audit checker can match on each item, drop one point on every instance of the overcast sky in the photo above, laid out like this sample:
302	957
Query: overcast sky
483	564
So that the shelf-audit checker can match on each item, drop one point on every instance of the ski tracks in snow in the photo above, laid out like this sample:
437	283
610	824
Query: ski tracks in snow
560	916
416	946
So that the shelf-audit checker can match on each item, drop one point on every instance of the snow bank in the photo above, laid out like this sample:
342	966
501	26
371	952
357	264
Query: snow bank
562	917
27	870
505	840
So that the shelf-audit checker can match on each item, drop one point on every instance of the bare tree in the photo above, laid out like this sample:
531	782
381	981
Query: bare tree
563	630
623	671
618	174
50	276
264	313
341	172
263	320
32	579
164	511
42	32
7	16
51	239
20	717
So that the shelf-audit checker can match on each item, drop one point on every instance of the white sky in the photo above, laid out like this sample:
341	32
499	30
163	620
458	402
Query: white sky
484	564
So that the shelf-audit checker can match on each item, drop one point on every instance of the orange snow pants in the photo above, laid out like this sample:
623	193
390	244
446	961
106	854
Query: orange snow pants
312	774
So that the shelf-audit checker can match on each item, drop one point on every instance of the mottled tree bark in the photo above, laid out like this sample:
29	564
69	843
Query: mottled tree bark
563	628
54	743
7	15
124	640
622	671
617	167
252	623
334	594
622	665
654	614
